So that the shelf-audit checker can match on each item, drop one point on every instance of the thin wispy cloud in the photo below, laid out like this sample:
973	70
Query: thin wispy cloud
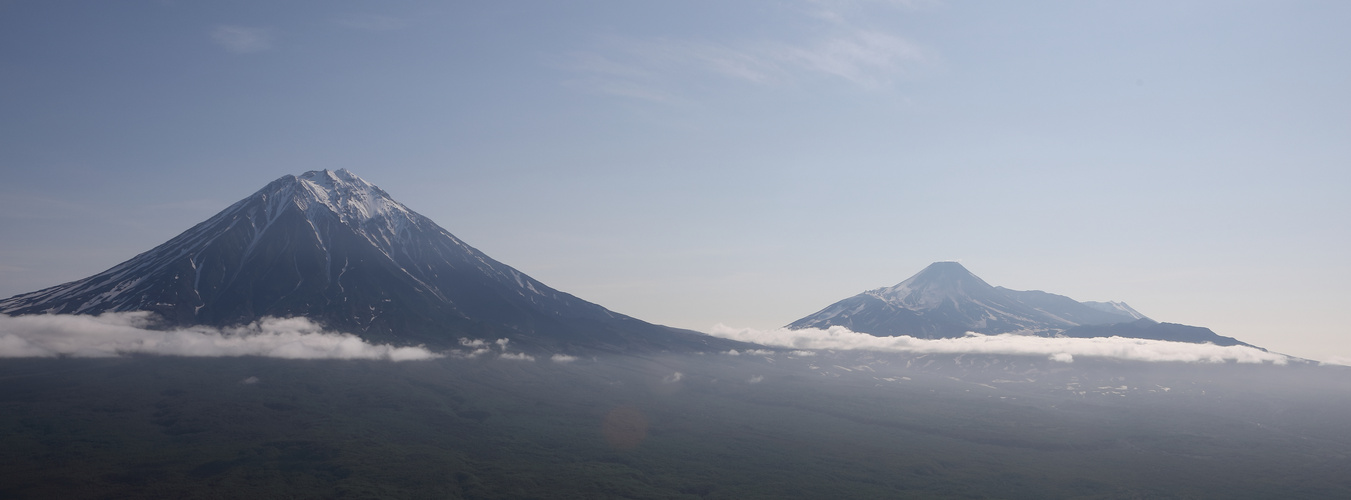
126	333
368	22
661	68
739	63
839	10
1057	349
242	39
622	88
34	207
867	59
197	205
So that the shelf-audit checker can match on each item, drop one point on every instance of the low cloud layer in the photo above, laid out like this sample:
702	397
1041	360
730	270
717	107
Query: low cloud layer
1058	349
118	334
1338	360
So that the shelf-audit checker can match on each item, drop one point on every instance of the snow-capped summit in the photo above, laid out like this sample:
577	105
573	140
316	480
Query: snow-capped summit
349	196
332	247
946	300
940	282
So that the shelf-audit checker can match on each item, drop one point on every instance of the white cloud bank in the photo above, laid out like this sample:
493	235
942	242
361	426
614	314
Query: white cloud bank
118	334
1058	349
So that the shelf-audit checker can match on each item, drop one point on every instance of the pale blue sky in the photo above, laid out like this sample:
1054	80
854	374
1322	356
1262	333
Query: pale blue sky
748	163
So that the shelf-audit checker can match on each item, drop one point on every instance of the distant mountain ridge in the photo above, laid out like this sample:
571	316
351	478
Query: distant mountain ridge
946	300
1146	328
332	247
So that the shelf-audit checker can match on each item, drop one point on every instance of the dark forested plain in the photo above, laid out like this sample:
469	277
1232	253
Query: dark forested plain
753	425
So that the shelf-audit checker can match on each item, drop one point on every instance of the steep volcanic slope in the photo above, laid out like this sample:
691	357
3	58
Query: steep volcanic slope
332	247
946	300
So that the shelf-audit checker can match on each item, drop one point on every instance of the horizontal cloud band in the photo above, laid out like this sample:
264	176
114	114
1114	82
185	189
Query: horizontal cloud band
117	334
1057	348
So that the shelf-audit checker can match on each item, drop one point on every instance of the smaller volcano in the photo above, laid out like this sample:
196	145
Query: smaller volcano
947	300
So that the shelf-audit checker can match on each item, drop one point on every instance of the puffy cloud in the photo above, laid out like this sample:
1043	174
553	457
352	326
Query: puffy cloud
754	352
479	347
1057	349
563	358
117	334
517	356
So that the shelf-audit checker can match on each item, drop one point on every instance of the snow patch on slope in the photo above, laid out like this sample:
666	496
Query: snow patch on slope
1115	308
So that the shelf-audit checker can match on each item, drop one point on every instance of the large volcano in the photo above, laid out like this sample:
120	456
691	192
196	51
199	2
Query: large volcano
334	248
